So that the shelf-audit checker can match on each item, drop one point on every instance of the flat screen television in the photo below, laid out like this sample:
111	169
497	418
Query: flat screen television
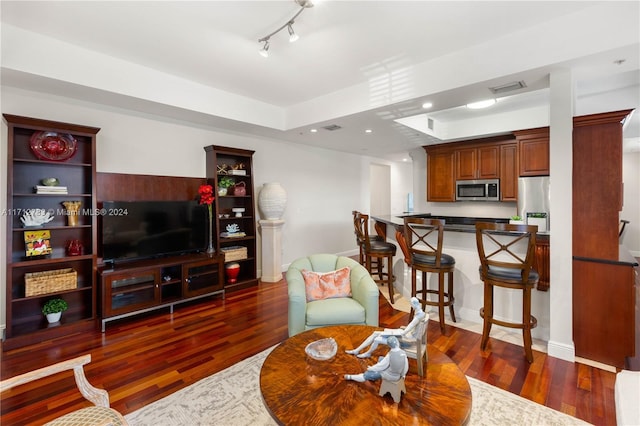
134	230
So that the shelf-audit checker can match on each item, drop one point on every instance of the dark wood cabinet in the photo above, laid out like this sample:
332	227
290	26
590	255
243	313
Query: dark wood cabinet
440	174
604	304
235	210
604	301
597	184
39	149
533	146
486	158
477	163
140	286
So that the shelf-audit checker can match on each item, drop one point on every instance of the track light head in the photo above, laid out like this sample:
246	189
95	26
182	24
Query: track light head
264	52
304	4
292	35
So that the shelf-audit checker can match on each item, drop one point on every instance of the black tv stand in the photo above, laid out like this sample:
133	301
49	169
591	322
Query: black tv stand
146	285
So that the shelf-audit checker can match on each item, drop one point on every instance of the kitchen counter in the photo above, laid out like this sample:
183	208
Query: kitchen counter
460	242
452	223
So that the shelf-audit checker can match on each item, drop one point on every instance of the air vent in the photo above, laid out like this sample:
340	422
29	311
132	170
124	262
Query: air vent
429	123
509	87
332	127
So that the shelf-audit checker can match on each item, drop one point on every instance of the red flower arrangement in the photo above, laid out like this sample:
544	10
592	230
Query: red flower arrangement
206	197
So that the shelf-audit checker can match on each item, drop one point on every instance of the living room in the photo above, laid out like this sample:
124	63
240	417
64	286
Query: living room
149	130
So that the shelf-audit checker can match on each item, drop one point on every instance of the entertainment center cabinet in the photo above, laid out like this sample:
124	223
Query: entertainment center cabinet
142	286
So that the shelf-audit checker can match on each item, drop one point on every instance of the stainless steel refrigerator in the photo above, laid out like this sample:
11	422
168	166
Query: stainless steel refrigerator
534	201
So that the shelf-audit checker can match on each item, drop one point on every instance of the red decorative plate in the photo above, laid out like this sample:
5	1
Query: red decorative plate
53	146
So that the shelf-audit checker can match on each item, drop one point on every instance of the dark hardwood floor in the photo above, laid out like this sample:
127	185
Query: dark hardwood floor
144	358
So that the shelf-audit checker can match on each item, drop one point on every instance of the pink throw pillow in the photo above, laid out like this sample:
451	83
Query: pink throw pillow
327	285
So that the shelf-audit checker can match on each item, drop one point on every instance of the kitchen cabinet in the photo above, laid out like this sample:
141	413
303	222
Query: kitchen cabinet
39	149
477	162
604	305
533	147
486	158
509	172
440	174
604	284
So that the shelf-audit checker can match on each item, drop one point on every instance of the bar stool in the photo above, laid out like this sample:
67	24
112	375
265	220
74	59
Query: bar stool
506	258
357	224
375	252
423	239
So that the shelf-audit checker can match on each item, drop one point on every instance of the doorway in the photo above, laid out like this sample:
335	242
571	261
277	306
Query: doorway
379	190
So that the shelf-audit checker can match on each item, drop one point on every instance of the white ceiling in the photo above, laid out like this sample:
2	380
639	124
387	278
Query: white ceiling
357	64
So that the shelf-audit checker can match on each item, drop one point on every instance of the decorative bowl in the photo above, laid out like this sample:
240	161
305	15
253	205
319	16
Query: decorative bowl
51	181
323	349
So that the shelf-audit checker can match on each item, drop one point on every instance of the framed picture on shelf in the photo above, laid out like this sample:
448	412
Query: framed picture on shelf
37	242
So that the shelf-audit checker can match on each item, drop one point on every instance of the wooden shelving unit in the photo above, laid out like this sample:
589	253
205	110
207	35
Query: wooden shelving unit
219	161
25	322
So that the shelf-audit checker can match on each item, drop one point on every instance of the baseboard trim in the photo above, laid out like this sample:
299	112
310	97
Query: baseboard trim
561	350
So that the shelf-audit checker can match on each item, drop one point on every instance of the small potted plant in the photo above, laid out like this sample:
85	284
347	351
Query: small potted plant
224	183
53	309
516	220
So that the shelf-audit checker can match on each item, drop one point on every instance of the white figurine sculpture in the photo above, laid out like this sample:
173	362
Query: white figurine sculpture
392	367
404	334
36	217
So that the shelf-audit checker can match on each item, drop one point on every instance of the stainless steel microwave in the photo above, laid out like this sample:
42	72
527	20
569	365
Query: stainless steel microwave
478	190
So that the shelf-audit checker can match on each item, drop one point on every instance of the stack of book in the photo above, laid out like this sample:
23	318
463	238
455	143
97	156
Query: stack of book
43	189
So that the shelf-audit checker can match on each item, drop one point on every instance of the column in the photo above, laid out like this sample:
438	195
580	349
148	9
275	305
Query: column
271	250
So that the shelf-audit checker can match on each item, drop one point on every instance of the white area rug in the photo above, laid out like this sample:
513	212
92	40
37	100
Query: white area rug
232	398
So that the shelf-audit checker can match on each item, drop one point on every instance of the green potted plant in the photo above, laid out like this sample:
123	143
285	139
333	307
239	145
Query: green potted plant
53	309
516	220
224	183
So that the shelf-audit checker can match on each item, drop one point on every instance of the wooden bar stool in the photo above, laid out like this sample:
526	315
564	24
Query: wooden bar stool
357	224
506	258
375	252
423	238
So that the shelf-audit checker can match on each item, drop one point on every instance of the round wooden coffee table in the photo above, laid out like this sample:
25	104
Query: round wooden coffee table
298	390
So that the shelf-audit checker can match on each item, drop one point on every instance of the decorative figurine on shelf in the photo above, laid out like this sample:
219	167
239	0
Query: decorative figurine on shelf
404	334
206	197
73	208
35	217
232	228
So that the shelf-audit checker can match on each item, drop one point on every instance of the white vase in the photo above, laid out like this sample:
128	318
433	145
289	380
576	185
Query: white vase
272	201
55	317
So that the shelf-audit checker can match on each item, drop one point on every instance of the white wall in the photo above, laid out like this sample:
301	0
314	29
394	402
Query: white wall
323	186
631	207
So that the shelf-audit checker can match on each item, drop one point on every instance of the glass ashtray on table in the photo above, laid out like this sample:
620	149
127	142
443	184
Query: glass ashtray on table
323	349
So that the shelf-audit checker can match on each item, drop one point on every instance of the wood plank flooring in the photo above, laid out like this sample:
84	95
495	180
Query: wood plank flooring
142	359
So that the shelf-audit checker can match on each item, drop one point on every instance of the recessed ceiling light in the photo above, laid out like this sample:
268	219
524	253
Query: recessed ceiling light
313	130
368	131
427	105
481	104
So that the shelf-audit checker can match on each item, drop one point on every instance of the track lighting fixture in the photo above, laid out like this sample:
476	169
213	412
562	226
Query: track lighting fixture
288	25
265	49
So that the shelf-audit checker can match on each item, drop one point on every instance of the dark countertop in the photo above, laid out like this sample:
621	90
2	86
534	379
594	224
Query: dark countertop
625	258
452	223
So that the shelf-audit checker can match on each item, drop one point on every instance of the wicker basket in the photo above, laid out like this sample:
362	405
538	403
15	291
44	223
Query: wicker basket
234	253
50	281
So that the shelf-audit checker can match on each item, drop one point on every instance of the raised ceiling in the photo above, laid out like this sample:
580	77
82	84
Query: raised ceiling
358	64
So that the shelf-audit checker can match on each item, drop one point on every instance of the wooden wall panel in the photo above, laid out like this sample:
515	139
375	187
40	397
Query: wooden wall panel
128	187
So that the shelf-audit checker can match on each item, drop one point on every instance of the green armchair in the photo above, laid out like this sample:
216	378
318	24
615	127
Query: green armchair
361	308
